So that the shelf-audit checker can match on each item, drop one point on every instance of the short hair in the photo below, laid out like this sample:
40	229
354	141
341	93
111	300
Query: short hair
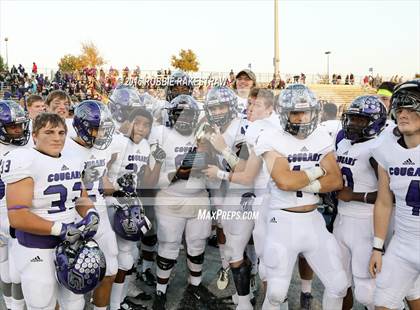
33	98
329	109
44	118
62	95
265	94
388	86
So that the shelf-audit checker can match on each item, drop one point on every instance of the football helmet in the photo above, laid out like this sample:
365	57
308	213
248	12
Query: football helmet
130	223
364	119
298	98
123	100
221	95
176	80
11	113
183	113
406	95
93	124
81	266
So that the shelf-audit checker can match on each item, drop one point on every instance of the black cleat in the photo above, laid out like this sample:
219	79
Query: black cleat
305	301
213	241
159	301
148	278
127	305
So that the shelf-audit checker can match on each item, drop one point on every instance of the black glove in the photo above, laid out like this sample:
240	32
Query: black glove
126	182
158	154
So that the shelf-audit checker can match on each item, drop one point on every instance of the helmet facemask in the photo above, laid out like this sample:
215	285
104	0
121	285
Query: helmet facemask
184	120
300	129
354	126
220	119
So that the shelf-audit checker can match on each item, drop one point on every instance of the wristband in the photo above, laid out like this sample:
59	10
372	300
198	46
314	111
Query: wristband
378	243
313	187
365	197
314	173
223	175
56	229
379	250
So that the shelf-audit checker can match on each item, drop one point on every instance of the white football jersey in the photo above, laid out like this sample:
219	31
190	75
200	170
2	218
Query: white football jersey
332	126
254	130
358	174
176	146
130	161
57	182
234	136
403	168
301	154
91	157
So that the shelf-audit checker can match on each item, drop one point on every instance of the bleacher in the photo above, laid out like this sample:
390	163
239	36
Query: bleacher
341	95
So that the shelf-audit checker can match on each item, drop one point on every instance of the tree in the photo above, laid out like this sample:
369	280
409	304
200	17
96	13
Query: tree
2	65
90	56
70	63
187	61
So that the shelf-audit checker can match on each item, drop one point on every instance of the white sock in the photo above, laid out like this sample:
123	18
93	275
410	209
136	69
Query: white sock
225	263
99	308
269	306
116	296
195	280
244	303
161	287
147	264
331	303
18	304
306	286
8	301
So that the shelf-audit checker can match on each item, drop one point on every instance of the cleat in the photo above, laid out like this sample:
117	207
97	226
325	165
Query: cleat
223	279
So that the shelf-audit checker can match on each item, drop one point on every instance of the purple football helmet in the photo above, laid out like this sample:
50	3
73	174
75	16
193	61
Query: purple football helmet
81	266
11	113
123	100
129	221
93	124
364	119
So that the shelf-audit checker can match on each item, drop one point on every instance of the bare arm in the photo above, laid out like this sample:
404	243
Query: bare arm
285	179
332	180
151	176
383	205
20	194
83	204
250	170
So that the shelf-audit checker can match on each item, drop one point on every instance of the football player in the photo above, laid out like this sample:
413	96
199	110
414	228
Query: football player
179	83
42	194
180	198
362	122
399	174
94	127
14	133
229	142
301	162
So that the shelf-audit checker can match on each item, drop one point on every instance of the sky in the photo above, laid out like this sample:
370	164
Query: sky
380	34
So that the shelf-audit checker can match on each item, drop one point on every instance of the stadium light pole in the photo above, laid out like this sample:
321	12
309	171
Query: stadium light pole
328	66
7	53
276	59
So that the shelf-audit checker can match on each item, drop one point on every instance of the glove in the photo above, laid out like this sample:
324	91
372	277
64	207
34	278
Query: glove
89	224
158	154
90	174
70	233
126	182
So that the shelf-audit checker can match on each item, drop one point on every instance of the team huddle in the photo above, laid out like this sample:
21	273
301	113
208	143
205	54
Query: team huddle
82	198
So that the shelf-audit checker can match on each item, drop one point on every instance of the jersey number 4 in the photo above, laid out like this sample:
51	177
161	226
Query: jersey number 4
412	198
